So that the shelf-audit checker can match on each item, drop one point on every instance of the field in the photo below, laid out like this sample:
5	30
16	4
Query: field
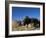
17	27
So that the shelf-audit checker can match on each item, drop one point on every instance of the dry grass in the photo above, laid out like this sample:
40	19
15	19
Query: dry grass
17	27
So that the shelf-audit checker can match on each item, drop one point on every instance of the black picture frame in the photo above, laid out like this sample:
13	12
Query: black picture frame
7	18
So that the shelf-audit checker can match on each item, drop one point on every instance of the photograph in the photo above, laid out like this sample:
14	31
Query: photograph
24	19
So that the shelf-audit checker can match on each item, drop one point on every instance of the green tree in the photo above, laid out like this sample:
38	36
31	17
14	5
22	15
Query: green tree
26	20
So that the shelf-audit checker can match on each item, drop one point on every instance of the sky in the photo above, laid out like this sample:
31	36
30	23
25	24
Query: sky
18	13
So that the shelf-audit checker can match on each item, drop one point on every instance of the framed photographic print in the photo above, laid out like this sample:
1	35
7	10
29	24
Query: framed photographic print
24	18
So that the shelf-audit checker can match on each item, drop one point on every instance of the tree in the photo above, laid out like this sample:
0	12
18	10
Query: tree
26	20
36	23
19	23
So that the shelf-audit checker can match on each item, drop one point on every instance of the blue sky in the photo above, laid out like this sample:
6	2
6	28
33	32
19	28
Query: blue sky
18	13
